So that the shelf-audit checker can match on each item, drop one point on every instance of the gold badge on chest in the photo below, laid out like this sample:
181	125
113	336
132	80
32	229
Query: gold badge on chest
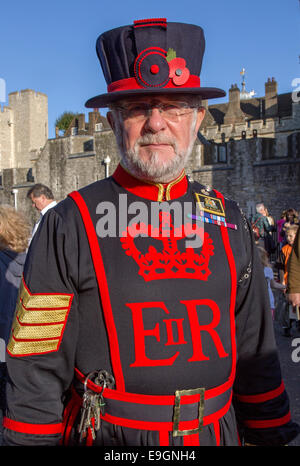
210	204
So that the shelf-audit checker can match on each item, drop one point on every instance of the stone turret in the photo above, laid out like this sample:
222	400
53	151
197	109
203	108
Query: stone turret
234	113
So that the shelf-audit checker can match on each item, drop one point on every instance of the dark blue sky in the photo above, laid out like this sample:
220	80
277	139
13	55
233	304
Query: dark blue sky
49	46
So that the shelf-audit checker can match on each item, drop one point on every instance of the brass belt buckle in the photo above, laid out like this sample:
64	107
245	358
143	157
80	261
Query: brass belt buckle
176	417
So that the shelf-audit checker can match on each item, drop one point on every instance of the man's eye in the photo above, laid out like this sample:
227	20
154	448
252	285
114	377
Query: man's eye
137	109
170	107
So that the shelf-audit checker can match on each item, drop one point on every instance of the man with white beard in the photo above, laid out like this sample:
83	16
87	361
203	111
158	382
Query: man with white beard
139	339
156	148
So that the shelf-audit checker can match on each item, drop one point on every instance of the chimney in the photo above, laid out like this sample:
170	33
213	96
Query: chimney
271	98
234	113
92	120
81	122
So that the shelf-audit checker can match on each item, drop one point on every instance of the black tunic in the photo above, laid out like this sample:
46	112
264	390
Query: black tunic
156	314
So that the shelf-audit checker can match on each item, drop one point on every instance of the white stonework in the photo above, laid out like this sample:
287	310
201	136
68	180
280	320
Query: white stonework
23	128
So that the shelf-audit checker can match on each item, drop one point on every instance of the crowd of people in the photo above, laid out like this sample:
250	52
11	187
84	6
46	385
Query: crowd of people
275	241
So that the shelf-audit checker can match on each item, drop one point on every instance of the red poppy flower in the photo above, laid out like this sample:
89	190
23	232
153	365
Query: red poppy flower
179	73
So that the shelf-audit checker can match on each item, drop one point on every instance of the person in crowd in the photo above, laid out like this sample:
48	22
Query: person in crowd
42	200
270	219
289	312
269	275
280	231
142	338
291	218
14	235
261	222
293	277
269	242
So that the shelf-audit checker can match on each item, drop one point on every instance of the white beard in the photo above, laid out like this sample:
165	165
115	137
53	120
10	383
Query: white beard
153	168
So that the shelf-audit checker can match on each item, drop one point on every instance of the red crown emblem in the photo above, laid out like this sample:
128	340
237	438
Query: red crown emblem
170	263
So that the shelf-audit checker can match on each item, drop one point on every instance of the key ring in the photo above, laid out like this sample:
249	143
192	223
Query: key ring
103	379
87	379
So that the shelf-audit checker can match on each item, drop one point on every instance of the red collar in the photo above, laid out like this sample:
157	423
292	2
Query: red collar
148	190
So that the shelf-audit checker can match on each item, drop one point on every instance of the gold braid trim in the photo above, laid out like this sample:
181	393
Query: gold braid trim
39	322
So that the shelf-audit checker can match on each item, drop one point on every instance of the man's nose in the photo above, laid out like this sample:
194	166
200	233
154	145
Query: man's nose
155	122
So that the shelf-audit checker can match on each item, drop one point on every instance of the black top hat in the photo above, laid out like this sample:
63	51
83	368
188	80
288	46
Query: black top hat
152	57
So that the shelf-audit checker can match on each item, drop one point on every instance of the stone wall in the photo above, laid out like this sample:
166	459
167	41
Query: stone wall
72	162
248	178
248	159
13	191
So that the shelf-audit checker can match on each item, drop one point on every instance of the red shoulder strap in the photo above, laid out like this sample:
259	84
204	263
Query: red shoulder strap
103	289
232	267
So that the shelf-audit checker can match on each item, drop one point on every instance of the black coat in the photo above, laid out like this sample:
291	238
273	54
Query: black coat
156	328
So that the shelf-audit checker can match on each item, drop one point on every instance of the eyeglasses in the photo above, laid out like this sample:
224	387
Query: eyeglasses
171	111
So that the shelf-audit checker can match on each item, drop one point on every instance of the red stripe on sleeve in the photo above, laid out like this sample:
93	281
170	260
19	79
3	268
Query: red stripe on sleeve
267	423
26	428
262	397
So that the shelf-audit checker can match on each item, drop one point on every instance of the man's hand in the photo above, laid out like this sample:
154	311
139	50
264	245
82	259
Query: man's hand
294	298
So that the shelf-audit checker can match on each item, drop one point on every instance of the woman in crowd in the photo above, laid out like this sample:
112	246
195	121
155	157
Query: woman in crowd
14	237
289	312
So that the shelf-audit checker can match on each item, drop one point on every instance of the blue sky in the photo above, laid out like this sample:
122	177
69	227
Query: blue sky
49	46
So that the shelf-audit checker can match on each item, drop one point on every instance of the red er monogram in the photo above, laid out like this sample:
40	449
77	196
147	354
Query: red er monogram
196	329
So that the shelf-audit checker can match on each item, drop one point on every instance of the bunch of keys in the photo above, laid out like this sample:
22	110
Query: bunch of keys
93	404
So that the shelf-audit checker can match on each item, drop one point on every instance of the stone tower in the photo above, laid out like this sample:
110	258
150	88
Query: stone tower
23	128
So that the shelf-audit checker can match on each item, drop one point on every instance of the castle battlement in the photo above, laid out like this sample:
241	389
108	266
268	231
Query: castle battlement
27	93
251	128
5	110
241	117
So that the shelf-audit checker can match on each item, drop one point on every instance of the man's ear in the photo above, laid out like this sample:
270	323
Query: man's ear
200	117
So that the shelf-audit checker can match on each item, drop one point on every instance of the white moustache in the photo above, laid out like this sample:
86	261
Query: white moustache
151	139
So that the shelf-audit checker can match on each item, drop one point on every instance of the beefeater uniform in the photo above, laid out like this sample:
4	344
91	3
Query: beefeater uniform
183	331
156	320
